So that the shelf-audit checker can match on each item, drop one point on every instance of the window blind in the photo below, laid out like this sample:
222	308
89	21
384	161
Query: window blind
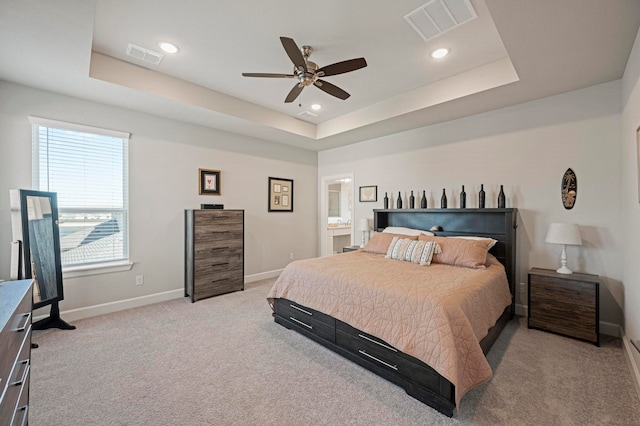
88	169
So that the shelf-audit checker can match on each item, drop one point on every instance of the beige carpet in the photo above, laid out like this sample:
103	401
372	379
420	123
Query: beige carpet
223	361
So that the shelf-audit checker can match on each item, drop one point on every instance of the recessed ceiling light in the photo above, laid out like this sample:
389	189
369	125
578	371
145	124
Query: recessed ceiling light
316	107
168	47
440	53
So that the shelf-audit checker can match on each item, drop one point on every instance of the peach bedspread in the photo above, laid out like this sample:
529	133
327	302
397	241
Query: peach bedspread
436	313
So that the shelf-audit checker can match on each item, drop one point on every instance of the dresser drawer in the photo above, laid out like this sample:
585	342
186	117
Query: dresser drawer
221	250
219	264
217	283
218	237
564	291
313	321
219	218
564	318
385	356
12	336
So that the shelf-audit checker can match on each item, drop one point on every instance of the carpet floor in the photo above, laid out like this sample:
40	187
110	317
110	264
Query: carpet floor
223	361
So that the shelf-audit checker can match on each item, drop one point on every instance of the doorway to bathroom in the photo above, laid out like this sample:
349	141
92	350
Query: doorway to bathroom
336	213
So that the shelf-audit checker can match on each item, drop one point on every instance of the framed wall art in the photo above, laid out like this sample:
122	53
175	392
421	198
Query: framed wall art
280	195
209	182
368	193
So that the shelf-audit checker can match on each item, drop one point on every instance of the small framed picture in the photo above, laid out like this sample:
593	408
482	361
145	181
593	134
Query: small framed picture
368	193
280	195
209	183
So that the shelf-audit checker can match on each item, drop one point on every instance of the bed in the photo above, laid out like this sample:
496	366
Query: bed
425	328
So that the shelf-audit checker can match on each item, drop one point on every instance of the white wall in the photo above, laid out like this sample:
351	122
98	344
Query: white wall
629	198
527	148
164	159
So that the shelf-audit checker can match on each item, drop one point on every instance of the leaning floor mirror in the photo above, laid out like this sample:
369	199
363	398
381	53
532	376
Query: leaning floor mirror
34	218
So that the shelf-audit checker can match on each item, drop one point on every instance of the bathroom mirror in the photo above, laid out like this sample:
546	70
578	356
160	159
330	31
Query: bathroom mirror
334	199
34	217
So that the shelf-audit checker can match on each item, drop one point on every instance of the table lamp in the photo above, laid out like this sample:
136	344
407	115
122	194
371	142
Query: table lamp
363	225
564	233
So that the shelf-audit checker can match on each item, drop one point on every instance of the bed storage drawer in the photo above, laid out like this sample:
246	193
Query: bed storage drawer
311	320
379	352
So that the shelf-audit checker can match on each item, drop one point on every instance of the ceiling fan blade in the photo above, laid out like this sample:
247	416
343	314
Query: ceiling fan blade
267	75
294	52
294	93
342	67
331	89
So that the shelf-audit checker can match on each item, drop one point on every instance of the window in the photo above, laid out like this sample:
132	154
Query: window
87	168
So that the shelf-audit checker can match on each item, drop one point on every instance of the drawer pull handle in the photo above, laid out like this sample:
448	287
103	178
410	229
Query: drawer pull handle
219	248
220	264
301	310
377	343
395	367
25	410
310	327
25	372
27	320
218	281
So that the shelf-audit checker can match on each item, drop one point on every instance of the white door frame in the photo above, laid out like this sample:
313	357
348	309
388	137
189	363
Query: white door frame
324	209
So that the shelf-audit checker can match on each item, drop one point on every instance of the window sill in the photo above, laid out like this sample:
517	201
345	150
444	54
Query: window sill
102	268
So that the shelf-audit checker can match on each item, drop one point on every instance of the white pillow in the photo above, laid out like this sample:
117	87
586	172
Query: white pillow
469	237
414	251
406	231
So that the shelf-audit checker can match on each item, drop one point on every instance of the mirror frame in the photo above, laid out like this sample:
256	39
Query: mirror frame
20	207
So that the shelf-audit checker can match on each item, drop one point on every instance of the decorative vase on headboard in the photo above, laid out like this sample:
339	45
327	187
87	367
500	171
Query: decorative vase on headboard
481	197
443	200
386	201
463	198
423	201
501	198
399	202
412	201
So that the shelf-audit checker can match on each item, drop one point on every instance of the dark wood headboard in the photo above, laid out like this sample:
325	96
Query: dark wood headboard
499	224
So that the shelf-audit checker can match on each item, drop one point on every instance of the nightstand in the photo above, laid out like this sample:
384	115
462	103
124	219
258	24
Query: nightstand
566	304
346	249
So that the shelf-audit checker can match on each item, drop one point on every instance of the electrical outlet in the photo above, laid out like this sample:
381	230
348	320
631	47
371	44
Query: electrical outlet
523	288
291	255
139	279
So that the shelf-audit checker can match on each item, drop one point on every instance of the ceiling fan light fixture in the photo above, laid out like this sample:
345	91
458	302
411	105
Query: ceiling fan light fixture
168	47
440	53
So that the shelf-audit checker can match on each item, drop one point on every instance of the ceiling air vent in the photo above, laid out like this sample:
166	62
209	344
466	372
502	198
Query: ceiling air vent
439	16
144	54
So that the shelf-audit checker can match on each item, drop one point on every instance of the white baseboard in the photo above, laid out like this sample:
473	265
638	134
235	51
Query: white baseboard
632	357
262	276
608	328
119	305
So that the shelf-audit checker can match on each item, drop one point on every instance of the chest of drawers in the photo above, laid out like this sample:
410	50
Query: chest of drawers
214	252
16	302
566	304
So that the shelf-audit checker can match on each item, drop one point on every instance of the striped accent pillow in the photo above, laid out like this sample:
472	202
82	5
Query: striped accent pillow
409	250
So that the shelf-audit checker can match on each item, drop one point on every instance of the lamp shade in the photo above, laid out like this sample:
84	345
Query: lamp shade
564	233
363	224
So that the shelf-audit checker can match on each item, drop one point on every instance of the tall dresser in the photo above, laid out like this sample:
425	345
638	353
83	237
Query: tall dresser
214	252
16	302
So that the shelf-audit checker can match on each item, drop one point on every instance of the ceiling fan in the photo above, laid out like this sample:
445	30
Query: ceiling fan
308	72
